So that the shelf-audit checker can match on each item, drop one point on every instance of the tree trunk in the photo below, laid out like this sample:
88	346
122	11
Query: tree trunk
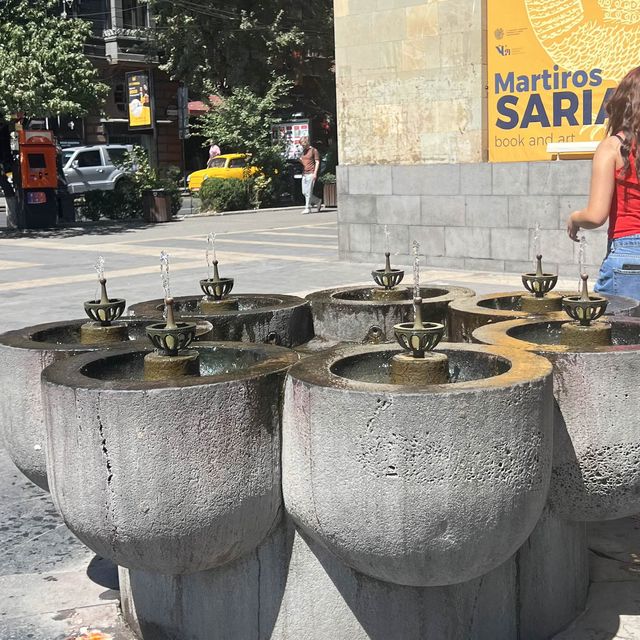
11	200
6	161
12	212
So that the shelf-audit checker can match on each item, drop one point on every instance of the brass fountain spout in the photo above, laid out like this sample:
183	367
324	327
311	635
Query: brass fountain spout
103	313
420	365
584	310
539	285
216	289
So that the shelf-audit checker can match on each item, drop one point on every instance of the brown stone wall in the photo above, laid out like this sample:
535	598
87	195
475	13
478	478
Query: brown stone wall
410	81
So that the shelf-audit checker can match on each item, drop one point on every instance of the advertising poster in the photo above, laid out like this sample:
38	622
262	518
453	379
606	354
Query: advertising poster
139	100
551	66
290	133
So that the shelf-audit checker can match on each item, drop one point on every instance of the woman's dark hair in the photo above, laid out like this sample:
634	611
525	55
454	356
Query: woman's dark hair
624	116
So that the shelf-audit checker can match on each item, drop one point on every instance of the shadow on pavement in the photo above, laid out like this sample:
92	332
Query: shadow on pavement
103	572
101	228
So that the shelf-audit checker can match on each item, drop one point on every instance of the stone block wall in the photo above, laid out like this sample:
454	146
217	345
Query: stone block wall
410	81
476	216
411	88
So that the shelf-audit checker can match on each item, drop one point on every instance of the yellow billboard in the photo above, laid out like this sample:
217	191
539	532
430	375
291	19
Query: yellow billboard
139	100
551	66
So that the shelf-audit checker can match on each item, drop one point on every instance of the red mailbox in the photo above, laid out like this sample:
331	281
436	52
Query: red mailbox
38	160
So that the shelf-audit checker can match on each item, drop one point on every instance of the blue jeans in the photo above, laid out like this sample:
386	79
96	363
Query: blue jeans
615	280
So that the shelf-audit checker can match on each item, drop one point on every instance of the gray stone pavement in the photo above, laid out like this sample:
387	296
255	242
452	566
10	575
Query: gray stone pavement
51	586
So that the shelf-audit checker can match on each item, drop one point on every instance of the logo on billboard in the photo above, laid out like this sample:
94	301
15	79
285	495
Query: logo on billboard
503	51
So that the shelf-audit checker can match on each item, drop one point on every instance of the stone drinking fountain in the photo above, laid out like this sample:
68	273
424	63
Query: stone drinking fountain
424	489
373	312
467	314
247	317
596	475
24	353
170	460
425	439
415	483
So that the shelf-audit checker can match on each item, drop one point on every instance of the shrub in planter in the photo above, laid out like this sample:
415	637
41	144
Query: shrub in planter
144	178
329	195
220	194
126	200
121	204
170	181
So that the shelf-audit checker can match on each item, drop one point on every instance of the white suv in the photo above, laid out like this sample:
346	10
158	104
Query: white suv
93	168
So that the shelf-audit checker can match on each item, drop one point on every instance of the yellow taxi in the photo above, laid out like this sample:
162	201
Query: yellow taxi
227	165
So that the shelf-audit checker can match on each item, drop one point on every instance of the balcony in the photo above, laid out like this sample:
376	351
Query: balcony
124	44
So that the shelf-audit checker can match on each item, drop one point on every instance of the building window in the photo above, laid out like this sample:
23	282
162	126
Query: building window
134	14
120	97
94	11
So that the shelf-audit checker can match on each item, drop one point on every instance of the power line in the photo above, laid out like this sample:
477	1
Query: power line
211	12
198	9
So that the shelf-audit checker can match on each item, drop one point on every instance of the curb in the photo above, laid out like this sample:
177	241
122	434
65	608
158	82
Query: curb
206	214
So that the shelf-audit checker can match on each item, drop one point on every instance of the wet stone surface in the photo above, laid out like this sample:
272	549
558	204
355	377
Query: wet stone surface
56	587
214	361
545	333
376	367
32	534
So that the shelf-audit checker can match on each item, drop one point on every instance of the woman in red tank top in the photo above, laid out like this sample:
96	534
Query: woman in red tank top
615	192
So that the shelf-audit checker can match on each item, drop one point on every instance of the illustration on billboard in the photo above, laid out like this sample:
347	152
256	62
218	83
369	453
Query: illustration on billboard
552	65
139	100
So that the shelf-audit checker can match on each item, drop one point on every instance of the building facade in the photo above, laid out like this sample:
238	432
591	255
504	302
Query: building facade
413	139
118	45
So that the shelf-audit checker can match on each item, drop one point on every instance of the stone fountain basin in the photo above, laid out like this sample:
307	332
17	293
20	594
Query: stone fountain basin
173	476
468	314
24	353
351	314
596	471
278	319
419	486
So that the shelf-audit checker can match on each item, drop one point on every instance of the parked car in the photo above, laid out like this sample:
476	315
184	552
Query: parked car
94	168
227	165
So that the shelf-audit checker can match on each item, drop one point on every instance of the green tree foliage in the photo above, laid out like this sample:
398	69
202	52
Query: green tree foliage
43	68
243	122
216	47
